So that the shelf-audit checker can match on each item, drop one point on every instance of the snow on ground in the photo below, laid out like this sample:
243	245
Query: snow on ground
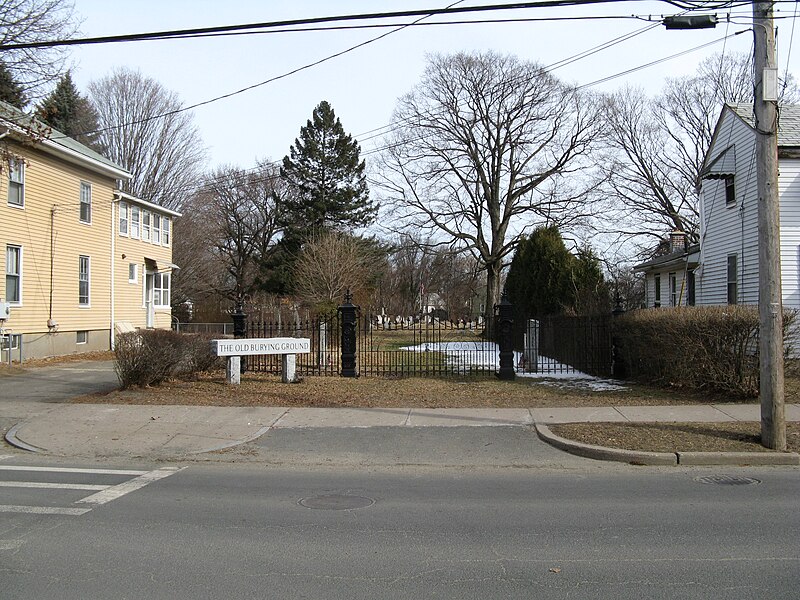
486	355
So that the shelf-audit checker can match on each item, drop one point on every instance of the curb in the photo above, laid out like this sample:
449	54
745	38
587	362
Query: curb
636	457
11	438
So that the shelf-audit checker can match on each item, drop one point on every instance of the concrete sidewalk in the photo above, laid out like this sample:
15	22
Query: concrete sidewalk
172	431
35	419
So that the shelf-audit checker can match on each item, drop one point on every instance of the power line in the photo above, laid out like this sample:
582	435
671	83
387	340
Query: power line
184	33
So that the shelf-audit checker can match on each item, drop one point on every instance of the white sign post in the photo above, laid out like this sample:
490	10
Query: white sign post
235	349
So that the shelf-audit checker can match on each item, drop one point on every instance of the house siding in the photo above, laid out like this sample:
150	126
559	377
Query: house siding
789	190
730	229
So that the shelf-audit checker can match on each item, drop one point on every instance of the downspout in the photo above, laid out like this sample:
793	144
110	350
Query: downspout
50	322
112	339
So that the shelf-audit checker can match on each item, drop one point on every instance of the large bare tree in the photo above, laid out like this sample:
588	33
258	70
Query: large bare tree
31	21
230	229
485	146
144	129
655	148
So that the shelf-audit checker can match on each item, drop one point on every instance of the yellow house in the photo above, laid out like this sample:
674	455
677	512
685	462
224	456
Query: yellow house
83	261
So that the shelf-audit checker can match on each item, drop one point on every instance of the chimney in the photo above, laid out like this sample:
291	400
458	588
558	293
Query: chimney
677	241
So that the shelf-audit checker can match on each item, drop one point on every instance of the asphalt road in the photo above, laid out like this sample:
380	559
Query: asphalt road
255	531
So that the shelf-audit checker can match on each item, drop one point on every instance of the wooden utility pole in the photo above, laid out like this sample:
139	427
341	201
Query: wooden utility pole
770	304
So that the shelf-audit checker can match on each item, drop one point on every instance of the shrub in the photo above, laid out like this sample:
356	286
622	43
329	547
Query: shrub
149	357
712	348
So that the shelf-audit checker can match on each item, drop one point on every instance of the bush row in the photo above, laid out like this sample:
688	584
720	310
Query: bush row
713	348
151	356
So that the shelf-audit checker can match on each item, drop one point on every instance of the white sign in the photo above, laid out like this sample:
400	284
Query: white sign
256	346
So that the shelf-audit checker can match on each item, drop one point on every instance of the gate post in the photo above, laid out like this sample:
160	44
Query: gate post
504	314
618	368
240	328
348	311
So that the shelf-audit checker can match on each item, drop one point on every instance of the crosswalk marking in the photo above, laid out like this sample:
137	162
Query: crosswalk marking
71	470
129	486
43	510
103	493
53	486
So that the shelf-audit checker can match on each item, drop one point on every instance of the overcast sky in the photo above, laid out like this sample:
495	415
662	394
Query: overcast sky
363	85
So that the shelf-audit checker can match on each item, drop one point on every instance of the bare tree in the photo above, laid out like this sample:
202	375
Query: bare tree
231	229
655	148
484	147
30	21
143	128
331	263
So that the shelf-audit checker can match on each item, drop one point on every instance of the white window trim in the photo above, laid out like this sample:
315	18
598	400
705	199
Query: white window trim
85	338
146	213
81	203
20	164
88	303
124	217
161	276
19	248
166	231
138	221
135	278
155	234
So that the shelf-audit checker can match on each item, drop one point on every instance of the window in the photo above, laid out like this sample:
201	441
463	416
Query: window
81	337
161	283
135	222
657	300
14	274
83	280
86	202
690	288
16	182
673	289
133	272
156	229
146	225
123	218
165	226
730	191
733	276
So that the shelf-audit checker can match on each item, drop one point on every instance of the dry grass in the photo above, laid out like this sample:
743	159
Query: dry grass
675	437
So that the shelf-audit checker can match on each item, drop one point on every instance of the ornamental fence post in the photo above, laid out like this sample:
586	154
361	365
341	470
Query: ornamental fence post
349	317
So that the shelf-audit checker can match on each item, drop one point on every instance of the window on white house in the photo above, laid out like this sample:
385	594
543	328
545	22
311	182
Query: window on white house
135	222
165	227
657	299
14	274
86	202
16	182
81	337
146	225
690	288
733	276
673	289
161	289
133	273
730	190
123	218
156	228
83	280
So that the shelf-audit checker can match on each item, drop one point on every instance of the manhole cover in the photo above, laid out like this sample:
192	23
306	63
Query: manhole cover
728	480
336	502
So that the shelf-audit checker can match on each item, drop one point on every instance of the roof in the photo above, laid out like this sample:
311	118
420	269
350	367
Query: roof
788	121
58	143
146	204
680	257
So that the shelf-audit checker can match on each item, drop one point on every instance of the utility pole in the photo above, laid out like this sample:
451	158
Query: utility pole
770	304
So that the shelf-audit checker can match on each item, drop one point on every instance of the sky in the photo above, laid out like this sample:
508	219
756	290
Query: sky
364	85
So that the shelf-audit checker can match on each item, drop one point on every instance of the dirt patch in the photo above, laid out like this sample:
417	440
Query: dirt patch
675	437
267	390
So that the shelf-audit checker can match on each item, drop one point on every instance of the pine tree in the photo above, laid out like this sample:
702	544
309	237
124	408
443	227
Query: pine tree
10	90
327	177
66	110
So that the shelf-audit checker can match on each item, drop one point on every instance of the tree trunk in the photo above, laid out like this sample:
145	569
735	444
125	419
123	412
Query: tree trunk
492	296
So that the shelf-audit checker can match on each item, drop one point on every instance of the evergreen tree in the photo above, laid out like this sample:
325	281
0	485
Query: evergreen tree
327	177
66	110
10	90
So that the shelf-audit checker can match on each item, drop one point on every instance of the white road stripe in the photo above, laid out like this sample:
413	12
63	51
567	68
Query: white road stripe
53	486
43	510
69	470
129	486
